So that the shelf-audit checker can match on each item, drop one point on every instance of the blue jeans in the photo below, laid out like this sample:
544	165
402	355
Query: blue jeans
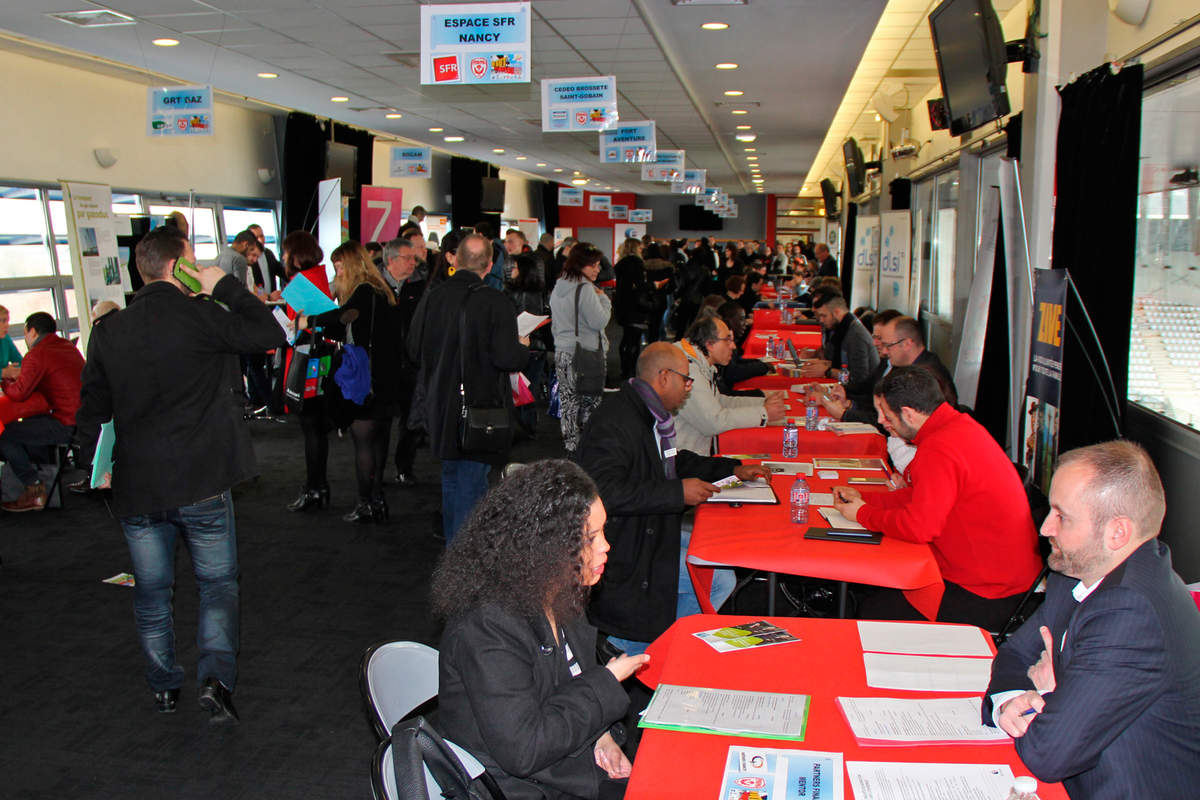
686	603
464	483
207	529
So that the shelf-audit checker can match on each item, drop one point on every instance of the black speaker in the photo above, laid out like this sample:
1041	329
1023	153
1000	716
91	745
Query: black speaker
901	190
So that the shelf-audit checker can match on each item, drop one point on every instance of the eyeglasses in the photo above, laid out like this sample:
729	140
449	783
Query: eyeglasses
688	380
890	345
724	338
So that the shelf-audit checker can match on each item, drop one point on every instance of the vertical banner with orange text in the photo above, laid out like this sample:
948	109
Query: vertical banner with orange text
1044	388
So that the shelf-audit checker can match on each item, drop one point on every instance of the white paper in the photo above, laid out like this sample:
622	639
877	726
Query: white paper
828	474
927	673
921	638
820	499
755	491
789	467
952	720
836	520
527	323
846	428
769	713
289	328
886	780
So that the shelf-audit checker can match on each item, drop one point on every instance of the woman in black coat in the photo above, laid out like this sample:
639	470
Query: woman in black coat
365	319
633	304
519	686
528	293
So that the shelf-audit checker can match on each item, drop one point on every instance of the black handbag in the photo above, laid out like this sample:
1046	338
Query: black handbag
590	366
311	363
417	746
482	429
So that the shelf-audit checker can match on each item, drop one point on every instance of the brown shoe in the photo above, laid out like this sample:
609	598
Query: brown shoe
32	499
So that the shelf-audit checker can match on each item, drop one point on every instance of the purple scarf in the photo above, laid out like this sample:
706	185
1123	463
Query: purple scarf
664	423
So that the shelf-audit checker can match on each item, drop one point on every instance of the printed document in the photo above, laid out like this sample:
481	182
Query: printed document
927	673
528	323
726	711
921	638
752	772
883	780
789	467
939	720
836	520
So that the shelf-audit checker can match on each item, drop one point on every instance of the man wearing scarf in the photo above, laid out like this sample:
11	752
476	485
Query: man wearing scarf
646	483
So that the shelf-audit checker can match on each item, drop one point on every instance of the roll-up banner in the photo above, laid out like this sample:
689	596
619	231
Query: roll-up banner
1043	390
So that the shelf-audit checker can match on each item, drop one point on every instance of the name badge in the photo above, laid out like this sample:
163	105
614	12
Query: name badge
670	453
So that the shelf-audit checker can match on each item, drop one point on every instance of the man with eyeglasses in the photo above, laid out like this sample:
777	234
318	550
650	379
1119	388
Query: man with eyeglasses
709	344
904	346
647	481
399	266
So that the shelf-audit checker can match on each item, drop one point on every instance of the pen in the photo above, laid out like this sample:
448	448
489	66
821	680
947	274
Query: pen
1028	711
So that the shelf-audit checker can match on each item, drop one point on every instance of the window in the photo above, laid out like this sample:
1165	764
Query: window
237	220
23	250
1164	348
203	222
20	305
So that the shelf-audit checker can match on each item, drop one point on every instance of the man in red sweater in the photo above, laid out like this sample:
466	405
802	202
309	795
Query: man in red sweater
964	499
53	368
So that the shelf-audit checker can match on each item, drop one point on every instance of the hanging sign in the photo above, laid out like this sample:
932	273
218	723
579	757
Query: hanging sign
628	143
894	259
579	104
667	166
179	111
641	215
692	182
475	43
92	238
570	196
410	162
618	212
600	202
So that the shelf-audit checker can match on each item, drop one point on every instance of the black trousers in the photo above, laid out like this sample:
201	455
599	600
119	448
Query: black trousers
406	443
958	605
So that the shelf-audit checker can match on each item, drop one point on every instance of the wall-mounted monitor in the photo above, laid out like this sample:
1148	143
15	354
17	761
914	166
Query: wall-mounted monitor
491	199
972	62
856	167
832	199
695	218
341	161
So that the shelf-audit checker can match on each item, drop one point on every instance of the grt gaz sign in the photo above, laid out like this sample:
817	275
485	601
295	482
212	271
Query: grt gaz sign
475	43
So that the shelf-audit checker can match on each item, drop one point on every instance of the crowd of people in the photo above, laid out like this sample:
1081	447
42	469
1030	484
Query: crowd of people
427	340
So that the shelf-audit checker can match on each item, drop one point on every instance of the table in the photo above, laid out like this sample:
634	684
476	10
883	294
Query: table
756	342
769	438
826	664
769	318
763	537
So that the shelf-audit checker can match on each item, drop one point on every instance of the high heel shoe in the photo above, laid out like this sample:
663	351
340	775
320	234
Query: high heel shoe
362	512
324	493
309	498
379	509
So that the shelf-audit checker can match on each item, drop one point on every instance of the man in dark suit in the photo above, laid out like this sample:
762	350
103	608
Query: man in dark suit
826	263
165	371
481	363
904	346
628	447
399	266
1101	687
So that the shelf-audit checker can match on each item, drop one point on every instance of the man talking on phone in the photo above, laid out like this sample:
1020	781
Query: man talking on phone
165	372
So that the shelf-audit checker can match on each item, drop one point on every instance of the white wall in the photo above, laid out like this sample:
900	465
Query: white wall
522	196
1163	16
55	116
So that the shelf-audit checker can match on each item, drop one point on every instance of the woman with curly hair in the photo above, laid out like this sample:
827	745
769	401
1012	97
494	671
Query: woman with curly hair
520	688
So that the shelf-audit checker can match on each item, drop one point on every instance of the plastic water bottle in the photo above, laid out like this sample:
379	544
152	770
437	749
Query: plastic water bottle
771	346
791	439
811	413
799	499
844	376
1023	788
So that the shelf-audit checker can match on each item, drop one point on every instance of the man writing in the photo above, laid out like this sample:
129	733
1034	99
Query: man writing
1101	686
964	499
647	481
163	370
706	412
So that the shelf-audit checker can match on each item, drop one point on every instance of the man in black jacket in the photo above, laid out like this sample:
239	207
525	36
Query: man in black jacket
479	366
165	371
399	267
646	484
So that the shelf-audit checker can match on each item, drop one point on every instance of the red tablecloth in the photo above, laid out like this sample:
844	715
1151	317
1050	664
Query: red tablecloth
769	318
826	664
763	537
756	343
770	440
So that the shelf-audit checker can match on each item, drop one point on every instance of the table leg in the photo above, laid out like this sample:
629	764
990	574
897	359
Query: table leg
843	591
772	585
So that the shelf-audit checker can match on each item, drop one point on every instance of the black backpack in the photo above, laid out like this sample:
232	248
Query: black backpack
416	745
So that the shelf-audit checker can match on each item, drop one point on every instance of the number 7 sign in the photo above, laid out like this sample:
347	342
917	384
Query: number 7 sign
381	215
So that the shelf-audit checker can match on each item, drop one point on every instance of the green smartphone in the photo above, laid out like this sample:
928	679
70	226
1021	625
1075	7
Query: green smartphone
185	278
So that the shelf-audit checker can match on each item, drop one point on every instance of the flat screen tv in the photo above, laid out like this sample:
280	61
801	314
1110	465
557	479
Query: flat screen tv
695	218
491	200
856	168
972	62
832	196
341	160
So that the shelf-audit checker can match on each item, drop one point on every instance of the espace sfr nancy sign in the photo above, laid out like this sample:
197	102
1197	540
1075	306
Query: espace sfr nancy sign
475	43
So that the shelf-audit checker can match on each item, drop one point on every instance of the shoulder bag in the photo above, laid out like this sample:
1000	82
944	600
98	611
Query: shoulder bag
482	429
590	366
354	375
417	747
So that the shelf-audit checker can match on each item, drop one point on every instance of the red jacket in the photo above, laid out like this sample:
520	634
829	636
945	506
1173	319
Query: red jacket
54	369
966	500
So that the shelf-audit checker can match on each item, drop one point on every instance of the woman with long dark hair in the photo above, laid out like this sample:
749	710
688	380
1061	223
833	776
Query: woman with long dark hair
528	293
360	289
519	685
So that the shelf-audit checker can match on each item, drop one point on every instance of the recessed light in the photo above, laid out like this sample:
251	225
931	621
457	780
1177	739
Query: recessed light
558	169
497	149
522	158
715	26
734	93
576	172
453	138
752	158
579	181
726	65
746	137
756	180
268	74
540	164
436	130
393	115
878	118
739	111
165	42
339	99
743	127
750	149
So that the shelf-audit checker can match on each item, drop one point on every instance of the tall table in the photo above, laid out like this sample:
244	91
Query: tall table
826	664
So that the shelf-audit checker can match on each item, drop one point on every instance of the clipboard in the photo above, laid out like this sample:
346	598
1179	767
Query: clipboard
840	535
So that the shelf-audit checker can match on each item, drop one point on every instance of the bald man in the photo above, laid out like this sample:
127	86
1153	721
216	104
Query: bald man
647	483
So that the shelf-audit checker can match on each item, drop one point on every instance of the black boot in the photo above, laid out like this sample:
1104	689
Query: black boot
363	512
310	498
379	509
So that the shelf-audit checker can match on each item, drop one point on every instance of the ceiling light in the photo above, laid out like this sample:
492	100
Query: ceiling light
541	164
558	169
453	138
752	158
734	93
576	172
715	26
579	181
339	99
726	65
743	127
165	42
436	130
756	180
750	149
522	158
497	149
393	115
739	111
746	137
94	18
268	74
878	118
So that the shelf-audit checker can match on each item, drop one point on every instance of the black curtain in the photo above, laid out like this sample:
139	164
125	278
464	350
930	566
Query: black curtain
303	168
364	145
1095	228
991	396
847	263
466	193
550	205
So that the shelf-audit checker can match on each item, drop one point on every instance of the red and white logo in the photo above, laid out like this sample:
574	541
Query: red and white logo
478	67
581	118
751	783
445	68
